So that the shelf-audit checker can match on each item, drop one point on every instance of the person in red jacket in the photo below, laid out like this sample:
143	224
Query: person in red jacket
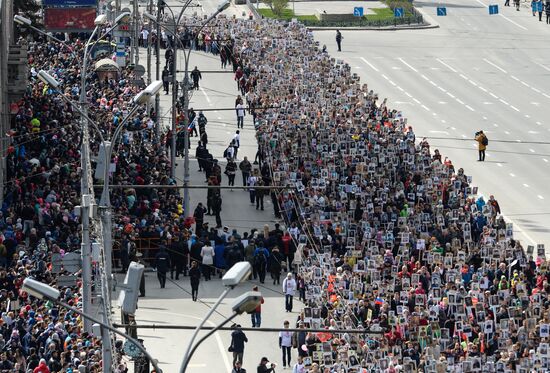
256	316
42	367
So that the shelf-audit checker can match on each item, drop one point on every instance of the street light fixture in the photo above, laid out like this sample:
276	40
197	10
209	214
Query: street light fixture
237	274
100	20
45	292
247	302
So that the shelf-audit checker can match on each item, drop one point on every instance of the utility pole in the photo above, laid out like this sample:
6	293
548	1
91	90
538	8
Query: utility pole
149	38
157	97
135	39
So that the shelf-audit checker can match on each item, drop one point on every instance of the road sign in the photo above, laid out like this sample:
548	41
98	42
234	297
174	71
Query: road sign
398	12
358	11
441	11
66	281
493	9
72	262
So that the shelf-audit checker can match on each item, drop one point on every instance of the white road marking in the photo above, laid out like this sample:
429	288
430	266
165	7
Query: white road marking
506	132
469	108
205	95
454	129
425	77
494	124
432	83
408	94
443	121
464	136
540	197
395	68
512	175
483	89
463	76
444	64
532	150
406	64
539	123
392	83
513	22
516	109
450	95
499	164
527	115
487	103
441	89
535	89
368	63
385	77
401	89
425	107
533	132
416	100
219	117
460	101
492	94
442	102
544	67
535	103
498	67
443	132
526	185
504	102
544	159
545	95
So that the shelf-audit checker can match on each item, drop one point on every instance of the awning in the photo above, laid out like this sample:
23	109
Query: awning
106	64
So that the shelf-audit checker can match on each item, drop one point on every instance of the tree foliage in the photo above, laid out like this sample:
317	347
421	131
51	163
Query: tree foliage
277	6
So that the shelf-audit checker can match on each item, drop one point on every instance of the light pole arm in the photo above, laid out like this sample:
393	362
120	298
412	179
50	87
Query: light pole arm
206	336
84	67
50	37
108	153
77	108
112	329
199	327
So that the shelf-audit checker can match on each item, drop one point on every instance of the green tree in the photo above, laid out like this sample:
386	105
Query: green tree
277	6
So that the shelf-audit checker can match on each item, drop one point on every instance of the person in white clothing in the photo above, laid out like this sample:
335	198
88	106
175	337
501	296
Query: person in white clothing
240	115
299	367
207	254
285	343
289	288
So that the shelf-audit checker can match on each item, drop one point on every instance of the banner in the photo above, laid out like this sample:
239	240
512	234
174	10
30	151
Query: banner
69	19
69	3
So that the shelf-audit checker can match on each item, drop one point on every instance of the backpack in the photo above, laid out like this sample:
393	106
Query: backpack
225	152
485	140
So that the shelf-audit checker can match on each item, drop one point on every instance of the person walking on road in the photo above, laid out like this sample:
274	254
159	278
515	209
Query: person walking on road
199	218
240	109
482	143
299	367
260	195
339	38
285	343
262	368
245	166
289	288
237	368
230	171
252	181
261	255
162	264
507	3
196	76
207	254
166	79
195	277
256	315
540	8
238	339
236	143
547	11
217	207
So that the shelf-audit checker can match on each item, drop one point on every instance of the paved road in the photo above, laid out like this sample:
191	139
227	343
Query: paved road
477	71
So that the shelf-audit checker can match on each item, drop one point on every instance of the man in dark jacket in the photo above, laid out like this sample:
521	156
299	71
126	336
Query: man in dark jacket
166	79
162	264
199	218
245	168
196	76
238	339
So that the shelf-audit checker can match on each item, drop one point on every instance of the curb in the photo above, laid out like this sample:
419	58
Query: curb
425	26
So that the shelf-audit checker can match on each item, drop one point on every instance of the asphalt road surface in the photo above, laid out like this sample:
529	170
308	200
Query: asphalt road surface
476	72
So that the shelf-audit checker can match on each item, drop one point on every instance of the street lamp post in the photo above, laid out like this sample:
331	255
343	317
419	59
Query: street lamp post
140	99
43	291
238	273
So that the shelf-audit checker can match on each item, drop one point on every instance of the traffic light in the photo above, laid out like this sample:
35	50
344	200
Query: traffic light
127	299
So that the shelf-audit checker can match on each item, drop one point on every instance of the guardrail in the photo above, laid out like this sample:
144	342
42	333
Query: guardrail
410	20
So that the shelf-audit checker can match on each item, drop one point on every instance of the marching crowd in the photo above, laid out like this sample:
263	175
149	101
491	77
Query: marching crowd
392	239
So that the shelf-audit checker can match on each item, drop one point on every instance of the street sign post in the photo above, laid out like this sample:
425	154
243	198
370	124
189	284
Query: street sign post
398	12
493	9
358	11
441	11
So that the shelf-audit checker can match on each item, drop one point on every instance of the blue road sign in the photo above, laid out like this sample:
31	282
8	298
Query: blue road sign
358	11
441	11
493	9
398	12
